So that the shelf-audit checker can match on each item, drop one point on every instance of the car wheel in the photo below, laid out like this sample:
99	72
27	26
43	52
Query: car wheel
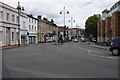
115	52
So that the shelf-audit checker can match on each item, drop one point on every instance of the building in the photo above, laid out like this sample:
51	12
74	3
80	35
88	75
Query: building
71	32
8	25
109	26
23	28
47	30
32	29
61	30
16	27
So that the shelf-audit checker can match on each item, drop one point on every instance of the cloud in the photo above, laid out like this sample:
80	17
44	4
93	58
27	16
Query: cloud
80	10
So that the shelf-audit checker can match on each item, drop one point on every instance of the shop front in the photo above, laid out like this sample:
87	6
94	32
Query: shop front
32	39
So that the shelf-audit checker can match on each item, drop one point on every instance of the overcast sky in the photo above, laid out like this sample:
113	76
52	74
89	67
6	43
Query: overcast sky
80	10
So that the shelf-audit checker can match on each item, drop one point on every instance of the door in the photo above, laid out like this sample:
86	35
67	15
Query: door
23	39
7	36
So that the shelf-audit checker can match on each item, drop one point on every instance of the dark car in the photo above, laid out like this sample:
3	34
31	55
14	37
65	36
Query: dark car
115	46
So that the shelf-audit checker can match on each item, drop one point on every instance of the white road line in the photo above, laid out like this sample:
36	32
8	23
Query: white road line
89	52
74	46
100	56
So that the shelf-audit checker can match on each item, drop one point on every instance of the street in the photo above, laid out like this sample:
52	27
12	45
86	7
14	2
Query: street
0	64
69	60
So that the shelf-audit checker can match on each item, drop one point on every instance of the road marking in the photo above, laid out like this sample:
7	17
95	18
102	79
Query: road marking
89	52
107	57
113	58
74	45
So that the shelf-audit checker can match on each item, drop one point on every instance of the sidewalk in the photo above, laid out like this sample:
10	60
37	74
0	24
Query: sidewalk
98	46
8	47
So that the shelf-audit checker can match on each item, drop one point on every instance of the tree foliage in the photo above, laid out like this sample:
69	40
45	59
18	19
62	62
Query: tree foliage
91	25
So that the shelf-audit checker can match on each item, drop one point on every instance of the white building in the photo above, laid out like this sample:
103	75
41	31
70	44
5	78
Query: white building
32	29
23	28
8	25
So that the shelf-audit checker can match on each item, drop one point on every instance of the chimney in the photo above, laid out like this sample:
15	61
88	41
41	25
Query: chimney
52	21
39	16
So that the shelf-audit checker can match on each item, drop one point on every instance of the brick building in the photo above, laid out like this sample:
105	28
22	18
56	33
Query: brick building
109	26
116	24
46	29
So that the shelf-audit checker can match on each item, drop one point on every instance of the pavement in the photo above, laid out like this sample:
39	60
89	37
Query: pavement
9	47
98	46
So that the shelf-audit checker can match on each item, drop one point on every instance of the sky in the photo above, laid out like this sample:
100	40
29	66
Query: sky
79	10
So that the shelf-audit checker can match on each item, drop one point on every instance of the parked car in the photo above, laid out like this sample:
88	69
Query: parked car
82	39
115	46
93	40
49	39
107	43
75	40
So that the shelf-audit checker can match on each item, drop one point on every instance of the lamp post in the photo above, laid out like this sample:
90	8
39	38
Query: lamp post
64	12
71	22
71	26
19	11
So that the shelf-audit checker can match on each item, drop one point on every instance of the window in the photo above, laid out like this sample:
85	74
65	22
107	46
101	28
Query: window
32	27
35	21
12	36
29	19
17	36
29	27
35	28
113	22
13	18
1	15
32	20
17	19
24	25
1	36
7	18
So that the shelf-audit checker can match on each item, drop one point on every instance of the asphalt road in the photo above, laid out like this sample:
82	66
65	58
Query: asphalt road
0	64
69	60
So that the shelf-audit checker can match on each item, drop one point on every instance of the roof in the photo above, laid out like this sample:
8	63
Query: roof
106	11
115	5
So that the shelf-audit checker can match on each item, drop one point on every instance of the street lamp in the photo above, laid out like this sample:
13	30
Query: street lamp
71	22
64	12
71	26
19	11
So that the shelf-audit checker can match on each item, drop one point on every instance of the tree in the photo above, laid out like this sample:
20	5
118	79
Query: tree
91	25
